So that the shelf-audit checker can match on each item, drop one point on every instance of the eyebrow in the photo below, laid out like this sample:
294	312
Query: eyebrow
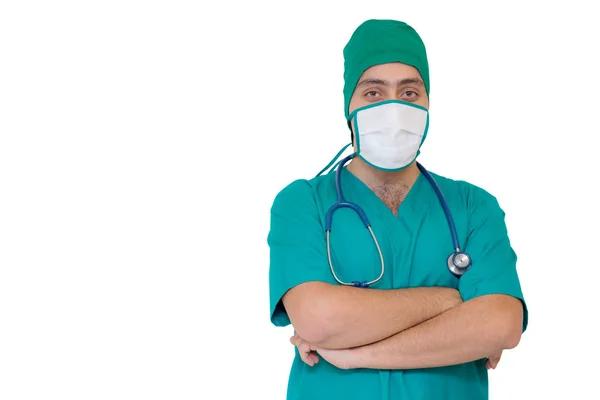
368	82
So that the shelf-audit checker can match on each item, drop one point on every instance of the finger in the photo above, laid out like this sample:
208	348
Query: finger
308	362
496	359
308	358
303	347
494	362
305	352
314	357
305	357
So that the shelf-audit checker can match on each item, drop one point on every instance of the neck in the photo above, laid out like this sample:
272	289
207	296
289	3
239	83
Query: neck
374	178
390	187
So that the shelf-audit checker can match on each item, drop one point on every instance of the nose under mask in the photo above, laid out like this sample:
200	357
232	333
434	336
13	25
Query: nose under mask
389	134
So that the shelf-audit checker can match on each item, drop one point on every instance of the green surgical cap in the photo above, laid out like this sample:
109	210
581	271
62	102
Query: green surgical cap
377	42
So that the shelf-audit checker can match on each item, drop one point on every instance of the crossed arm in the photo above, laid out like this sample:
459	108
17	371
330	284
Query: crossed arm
340	317
402	328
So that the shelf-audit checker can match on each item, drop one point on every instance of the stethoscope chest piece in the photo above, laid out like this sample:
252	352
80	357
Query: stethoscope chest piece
459	263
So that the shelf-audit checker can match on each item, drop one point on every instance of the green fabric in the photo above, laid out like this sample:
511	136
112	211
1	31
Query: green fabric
415	245
377	42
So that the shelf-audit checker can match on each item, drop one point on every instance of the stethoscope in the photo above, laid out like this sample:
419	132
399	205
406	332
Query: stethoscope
458	262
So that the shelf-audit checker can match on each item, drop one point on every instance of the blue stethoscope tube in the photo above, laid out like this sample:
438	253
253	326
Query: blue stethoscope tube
458	262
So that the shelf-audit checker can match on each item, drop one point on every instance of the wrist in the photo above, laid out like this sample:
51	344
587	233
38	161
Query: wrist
365	356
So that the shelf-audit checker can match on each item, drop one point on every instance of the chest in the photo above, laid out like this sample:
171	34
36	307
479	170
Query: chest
414	247
391	196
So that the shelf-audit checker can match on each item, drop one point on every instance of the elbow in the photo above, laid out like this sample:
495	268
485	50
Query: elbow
315	326
312	314
503	335
513	341
511	337
507	325
313	333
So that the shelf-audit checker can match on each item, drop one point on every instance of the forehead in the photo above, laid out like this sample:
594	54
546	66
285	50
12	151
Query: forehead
391	71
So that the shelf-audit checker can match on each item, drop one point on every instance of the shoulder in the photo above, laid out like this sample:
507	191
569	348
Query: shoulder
474	197
300	194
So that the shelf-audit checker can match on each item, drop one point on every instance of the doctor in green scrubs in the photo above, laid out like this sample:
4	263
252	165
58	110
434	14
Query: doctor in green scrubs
420	331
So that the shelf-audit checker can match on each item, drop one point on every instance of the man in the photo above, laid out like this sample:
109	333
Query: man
417	324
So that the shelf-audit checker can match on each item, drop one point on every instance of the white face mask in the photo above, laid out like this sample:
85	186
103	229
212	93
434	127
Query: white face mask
389	134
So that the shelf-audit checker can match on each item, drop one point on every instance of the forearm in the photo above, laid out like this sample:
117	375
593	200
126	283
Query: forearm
471	331
355	316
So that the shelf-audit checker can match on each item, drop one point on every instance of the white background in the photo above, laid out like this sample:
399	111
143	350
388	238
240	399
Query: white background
142	144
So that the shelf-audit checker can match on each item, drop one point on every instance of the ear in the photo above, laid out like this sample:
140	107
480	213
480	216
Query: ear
351	127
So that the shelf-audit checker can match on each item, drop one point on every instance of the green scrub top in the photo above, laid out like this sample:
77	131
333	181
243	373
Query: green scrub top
415	246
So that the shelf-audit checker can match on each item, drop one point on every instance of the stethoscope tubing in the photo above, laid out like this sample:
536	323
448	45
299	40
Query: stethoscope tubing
453	266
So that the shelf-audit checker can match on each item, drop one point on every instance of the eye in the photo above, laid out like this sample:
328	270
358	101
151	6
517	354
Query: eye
411	94
372	93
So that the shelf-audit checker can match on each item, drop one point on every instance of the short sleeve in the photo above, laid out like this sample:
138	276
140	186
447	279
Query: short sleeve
494	262
297	245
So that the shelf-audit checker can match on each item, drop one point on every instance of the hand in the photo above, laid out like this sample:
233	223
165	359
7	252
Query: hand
306	350
493	361
343	359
